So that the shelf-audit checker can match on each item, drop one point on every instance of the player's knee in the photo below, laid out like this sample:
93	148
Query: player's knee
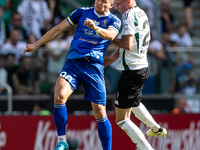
59	98
100	113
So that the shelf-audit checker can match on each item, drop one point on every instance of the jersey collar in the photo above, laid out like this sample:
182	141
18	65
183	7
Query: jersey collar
105	15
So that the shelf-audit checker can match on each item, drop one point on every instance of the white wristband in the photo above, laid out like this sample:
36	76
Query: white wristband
98	30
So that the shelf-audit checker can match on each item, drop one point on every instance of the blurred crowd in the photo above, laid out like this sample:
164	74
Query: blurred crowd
24	22
171	65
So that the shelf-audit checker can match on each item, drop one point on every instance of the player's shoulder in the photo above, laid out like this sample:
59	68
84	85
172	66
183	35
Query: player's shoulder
114	17
86	8
133	13
82	10
128	14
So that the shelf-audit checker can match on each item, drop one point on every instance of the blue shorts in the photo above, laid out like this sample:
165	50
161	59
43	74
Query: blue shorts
90	74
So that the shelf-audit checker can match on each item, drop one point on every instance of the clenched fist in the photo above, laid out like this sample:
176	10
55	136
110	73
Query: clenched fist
30	48
90	24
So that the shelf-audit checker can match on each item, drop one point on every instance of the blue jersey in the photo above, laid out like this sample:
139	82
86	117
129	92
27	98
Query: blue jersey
86	42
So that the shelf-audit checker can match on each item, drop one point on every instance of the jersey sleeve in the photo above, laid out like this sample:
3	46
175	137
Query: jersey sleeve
74	16
115	24
129	25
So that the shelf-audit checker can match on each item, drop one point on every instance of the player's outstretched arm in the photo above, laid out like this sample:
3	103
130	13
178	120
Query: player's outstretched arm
108	34
50	35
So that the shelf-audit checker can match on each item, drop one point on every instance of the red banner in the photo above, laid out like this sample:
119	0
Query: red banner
39	133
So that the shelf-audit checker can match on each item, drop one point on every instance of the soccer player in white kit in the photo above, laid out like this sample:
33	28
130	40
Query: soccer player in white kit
133	46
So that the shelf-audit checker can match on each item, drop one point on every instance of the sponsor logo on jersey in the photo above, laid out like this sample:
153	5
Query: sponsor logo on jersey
90	32
96	23
104	23
89	41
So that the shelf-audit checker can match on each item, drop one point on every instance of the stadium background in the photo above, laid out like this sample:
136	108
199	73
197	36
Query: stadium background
20	112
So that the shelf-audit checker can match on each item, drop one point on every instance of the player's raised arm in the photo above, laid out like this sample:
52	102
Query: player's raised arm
50	35
108	34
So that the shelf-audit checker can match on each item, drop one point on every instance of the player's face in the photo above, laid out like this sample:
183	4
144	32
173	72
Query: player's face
121	5
102	6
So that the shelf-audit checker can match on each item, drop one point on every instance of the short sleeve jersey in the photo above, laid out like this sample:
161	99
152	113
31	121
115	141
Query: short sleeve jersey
135	23
86	42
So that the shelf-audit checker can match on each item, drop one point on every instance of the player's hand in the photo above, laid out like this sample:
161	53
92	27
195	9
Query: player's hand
90	24
30	48
108	60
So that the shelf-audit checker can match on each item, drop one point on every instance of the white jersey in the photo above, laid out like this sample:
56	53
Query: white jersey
135	22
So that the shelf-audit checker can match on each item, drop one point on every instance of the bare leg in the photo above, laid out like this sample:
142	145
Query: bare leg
62	91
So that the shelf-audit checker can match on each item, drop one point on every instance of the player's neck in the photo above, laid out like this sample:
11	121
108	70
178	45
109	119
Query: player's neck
132	4
102	14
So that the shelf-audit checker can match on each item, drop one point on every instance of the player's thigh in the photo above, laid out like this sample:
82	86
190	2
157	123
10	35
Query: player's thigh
62	91
94	84
122	114
99	110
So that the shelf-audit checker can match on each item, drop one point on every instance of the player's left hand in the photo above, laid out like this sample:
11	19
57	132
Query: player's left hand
90	24
108	60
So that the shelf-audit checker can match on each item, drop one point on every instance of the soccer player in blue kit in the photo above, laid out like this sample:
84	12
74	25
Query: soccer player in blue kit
96	27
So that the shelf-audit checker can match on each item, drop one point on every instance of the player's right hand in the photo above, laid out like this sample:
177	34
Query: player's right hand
30	48
90	24
108	60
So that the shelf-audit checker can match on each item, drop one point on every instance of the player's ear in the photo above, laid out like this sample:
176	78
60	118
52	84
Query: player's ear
111	5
